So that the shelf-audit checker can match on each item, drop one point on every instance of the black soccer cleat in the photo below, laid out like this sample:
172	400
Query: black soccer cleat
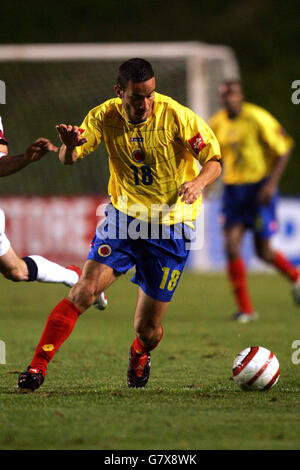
138	370
30	381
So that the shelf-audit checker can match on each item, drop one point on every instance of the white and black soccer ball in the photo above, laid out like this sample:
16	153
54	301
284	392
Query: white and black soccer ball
256	368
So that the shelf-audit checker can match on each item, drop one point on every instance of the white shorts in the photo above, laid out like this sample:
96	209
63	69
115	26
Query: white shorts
4	242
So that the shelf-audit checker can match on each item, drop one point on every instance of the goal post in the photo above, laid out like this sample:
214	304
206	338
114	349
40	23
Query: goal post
198	58
48	84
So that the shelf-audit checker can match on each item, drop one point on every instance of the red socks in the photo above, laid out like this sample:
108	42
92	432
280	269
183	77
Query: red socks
59	326
285	267
238	276
138	348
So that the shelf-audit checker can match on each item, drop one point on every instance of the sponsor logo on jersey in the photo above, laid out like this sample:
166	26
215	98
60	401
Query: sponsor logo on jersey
197	143
104	250
138	156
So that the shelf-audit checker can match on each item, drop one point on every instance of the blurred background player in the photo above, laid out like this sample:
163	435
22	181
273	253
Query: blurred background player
255	150
148	168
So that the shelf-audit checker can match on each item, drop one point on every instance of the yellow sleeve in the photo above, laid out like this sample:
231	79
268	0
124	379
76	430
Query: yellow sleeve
273	134
91	130
199	139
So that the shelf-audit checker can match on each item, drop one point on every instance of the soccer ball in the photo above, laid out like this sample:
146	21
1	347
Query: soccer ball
256	368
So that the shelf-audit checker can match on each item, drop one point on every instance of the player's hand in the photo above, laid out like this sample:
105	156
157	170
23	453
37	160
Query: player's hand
39	148
71	136
190	191
266	193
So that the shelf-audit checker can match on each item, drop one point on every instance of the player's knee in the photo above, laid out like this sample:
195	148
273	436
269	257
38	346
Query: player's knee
83	294
148	333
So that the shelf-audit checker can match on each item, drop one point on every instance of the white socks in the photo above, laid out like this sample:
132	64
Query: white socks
52	272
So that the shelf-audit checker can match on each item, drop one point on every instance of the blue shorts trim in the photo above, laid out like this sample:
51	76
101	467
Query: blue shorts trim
240	206
158	262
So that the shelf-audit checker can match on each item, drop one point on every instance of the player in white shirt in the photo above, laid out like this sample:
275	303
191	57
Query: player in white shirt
33	267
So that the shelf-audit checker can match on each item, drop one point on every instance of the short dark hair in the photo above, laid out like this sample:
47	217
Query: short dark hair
227	84
136	70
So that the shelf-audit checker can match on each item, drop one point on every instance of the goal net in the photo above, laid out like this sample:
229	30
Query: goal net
50	84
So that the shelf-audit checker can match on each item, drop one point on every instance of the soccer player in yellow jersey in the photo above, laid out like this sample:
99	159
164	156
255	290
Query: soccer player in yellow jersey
154	145
255	150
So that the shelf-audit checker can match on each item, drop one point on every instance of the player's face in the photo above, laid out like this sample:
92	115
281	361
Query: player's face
138	99
232	98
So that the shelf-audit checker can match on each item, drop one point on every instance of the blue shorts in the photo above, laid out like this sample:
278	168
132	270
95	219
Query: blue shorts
240	206
123	242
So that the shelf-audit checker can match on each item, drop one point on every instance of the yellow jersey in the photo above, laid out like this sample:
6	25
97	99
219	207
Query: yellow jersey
149	161
250	143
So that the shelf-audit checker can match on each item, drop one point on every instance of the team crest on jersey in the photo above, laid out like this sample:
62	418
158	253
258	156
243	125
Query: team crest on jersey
138	156
197	143
104	250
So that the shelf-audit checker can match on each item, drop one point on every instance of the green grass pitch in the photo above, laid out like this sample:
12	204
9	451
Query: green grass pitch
191	400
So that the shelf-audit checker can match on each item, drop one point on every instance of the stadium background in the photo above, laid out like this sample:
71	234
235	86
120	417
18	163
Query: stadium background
263	36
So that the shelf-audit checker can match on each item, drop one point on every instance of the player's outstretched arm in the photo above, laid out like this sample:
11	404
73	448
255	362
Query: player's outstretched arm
70	137
191	190
10	164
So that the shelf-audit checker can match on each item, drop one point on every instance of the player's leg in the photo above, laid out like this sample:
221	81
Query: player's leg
147	319
237	214
48	271
158	271
31	268
266	226
13	267
107	259
237	272
149	331
277	259
36	268
95	278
